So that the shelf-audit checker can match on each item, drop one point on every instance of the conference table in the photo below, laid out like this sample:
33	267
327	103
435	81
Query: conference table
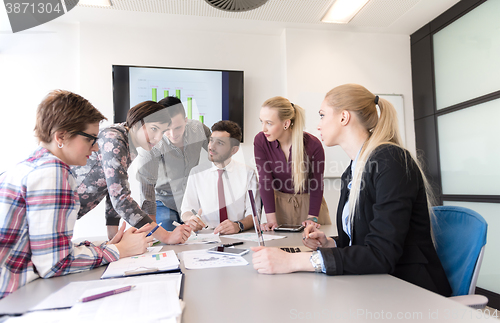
240	294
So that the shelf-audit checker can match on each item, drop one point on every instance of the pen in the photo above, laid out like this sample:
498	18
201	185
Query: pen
153	231
199	217
178	224
106	294
232	244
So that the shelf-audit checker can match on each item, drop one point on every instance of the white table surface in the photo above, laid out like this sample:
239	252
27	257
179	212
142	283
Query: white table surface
240	294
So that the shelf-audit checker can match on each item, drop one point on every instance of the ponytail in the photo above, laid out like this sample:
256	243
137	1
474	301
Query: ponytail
379	118
296	115
299	169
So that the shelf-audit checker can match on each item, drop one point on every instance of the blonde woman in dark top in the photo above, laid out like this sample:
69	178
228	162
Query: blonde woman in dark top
383	213
105	175
290	163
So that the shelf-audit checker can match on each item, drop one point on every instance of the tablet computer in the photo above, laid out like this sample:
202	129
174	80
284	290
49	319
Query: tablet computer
289	228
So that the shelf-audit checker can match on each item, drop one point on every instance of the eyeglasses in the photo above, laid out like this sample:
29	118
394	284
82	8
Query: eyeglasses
81	133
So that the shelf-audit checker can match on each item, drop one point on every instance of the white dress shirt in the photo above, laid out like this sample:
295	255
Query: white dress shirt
201	192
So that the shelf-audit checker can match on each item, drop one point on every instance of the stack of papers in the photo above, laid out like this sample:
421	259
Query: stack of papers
69	295
155	298
148	263
146	302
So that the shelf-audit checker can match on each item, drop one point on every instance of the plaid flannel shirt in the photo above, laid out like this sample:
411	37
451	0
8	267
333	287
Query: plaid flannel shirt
38	210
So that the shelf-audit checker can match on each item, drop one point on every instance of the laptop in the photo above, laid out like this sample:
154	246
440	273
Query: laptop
258	230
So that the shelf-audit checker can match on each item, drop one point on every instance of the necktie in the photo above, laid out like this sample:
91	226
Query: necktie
222	200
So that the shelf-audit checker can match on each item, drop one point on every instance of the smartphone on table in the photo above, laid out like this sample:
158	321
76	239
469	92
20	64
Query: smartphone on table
228	251
289	228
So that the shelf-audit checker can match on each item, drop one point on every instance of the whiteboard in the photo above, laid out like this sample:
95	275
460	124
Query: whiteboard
336	160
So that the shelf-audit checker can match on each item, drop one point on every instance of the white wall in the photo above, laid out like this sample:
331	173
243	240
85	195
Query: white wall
318	60
31	64
302	64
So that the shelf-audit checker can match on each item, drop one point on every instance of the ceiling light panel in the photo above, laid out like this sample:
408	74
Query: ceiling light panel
342	11
382	13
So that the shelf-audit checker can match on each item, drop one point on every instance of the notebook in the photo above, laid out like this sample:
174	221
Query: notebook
148	263
258	230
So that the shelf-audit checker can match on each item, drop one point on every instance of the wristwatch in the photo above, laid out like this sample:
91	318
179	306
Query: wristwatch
313	219
240	225
316	261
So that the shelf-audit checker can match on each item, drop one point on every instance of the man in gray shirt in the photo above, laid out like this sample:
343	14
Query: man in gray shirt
163	172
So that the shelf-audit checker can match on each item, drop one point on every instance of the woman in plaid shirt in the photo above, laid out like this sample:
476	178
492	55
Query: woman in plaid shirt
39	203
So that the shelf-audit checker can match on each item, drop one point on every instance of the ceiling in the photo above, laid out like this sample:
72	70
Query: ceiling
384	16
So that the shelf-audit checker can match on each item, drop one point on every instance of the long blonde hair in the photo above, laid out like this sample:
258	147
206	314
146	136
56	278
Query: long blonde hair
381	130
296	114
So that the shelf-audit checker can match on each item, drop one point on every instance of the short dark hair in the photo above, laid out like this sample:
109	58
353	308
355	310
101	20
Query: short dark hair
64	111
148	111
174	106
230	127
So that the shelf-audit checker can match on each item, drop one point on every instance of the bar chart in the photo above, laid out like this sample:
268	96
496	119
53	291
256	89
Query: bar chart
199	91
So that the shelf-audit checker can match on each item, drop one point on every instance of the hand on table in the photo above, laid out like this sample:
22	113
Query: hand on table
268	226
308	222
314	238
227	227
195	222
276	261
179	235
271	260
133	241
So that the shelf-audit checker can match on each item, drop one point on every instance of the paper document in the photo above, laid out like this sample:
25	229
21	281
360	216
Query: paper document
202	238
154	249
142	264
200	259
253	237
146	302
68	295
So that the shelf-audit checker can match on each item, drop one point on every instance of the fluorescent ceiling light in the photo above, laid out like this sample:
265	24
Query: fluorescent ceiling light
100	3
342	11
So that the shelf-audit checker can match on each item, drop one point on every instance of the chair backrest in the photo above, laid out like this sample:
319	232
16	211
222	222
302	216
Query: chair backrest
459	237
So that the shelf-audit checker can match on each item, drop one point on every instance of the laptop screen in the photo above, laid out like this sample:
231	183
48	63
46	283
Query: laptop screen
256	219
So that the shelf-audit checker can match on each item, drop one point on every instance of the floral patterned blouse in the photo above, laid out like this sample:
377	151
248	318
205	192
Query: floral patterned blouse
105	175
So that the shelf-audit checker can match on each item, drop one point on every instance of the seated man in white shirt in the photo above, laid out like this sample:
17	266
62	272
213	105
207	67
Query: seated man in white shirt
218	190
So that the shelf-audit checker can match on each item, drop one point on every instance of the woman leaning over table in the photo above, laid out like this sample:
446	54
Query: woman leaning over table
290	163
105	174
383	214
39	202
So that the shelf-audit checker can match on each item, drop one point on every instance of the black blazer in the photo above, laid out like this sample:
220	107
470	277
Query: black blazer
391	226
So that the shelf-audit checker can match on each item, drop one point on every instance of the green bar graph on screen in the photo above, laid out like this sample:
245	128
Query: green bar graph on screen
190	108
178	94
165	93
154	95
202	118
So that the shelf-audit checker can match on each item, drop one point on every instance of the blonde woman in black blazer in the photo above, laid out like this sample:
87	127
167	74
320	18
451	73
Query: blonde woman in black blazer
383	216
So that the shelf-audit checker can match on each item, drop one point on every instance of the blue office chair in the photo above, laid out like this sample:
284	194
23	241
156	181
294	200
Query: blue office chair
460	238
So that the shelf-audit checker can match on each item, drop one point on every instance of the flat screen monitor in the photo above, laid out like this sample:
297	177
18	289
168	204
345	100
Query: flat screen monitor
207	95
